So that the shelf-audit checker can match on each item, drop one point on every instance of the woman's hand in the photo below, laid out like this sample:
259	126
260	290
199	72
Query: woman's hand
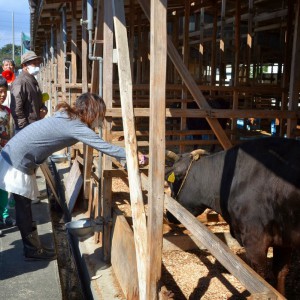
143	159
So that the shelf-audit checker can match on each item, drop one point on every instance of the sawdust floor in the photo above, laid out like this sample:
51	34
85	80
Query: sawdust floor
197	274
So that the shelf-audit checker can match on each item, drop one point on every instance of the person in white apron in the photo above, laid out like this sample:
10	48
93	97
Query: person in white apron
23	154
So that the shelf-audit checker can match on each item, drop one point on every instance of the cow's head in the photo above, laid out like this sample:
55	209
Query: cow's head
175	174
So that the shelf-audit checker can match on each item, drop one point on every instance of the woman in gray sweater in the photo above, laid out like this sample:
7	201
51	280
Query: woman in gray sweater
29	148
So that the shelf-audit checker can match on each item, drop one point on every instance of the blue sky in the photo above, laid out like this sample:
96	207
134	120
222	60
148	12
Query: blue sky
21	11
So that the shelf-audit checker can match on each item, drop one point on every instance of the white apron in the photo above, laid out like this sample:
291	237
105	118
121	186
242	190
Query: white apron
17	182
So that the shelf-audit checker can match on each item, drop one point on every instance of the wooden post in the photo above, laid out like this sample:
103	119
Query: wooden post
88	151
62	62
84	51
136	196
73	78
201	46
222	64
107	96
295	76
186	55
74	43
158	53
236	58
214	48
97	50
287	60
249	40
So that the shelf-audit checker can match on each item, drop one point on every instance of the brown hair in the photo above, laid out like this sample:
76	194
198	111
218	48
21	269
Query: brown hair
88	107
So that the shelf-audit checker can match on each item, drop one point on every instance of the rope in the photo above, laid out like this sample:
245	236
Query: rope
183	181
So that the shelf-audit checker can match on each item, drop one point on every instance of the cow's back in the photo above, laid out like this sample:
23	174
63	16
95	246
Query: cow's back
265	189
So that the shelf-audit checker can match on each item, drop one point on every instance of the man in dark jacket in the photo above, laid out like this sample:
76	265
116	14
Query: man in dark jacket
26	97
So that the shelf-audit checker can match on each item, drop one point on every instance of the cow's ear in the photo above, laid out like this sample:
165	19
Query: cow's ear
171	177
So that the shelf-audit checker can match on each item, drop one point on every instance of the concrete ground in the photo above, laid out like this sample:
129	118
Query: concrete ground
34	280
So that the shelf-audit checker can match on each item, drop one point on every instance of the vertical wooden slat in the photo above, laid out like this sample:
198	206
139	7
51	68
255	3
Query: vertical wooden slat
214	47
186	55
97	50
74	42
201	46
287	60
295	75
222	66
107	96
131	35
139	50
249	40
73	78
236	58
84	50
136	196
158	54
88	151
62	62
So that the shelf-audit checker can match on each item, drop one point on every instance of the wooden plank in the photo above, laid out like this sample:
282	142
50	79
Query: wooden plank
186	242
123	257
294	77
191	85
158	61
87	169
84	51
214	47
50	181
136	196
73	43
186	56
73	185
88	159
212	113
107	96
97	51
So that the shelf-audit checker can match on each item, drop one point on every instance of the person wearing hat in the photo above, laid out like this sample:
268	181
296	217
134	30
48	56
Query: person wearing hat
27	104
26	97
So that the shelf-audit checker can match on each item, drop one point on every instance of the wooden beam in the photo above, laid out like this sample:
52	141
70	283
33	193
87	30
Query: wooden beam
136	196
88	152
84	50
295	77
212	113
97	50
107	96
158	61
73	45
214	47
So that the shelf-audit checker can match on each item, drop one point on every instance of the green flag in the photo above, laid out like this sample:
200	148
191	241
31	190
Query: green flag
25	39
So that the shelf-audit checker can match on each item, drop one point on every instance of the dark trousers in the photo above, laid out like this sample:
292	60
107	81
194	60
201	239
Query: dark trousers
23	215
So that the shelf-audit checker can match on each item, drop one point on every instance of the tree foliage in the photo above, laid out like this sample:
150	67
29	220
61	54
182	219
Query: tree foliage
6	52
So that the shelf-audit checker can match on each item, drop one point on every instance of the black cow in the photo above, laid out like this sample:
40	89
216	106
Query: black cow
201	123
255	186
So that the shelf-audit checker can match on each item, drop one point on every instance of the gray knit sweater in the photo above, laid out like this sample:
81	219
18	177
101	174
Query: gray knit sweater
36	142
